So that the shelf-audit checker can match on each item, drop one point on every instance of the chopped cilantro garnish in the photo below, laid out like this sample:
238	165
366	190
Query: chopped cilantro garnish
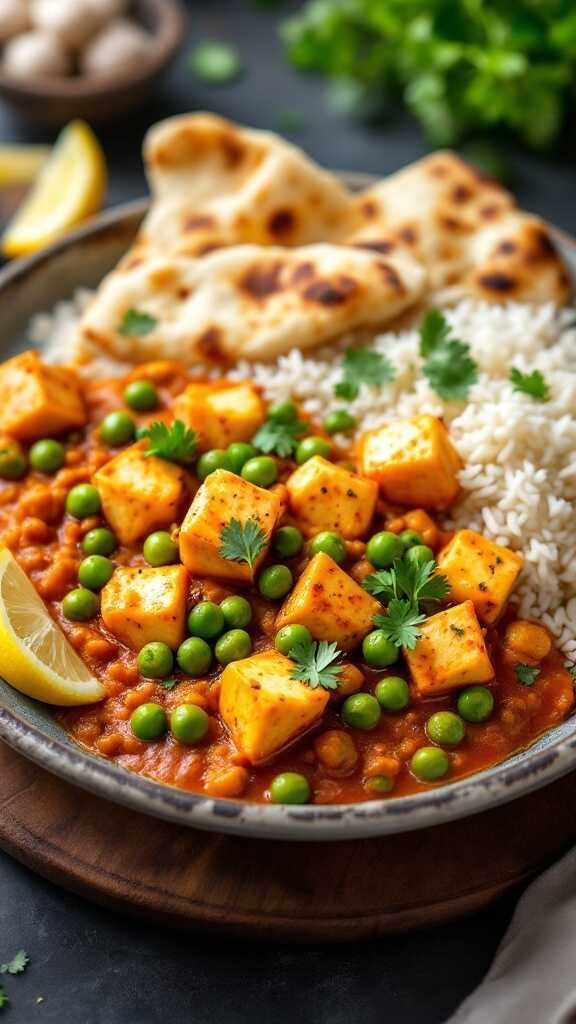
215	62
415	582
532	384
401	622
279	438
242	542
361	365
315	664
448	365
168	684
527	674
136	324
4	1000
17	965
175	443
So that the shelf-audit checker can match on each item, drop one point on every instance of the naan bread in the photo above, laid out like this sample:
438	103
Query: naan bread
215	184
246	302
465	229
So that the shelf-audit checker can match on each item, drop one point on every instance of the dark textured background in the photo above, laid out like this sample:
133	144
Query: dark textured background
94	967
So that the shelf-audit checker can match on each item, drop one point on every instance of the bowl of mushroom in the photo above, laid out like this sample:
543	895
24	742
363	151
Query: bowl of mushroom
96	59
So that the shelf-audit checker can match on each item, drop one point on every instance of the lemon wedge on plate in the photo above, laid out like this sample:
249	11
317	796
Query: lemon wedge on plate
19	165
35	656
69	188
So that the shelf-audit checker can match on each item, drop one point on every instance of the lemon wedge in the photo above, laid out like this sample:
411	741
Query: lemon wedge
19	165
69	188
35	656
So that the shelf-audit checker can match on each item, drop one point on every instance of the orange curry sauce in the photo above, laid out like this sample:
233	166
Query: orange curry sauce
46	542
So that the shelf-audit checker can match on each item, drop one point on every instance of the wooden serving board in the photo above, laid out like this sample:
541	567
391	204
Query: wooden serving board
297	891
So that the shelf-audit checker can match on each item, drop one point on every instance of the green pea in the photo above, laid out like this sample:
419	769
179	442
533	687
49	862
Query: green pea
361	711
13	462
238	453
429	764
95	571
384	548
237	611
80	605
47	456
340	421
445	728
410	539
206	620
290	788
275	581
117	428
379	784
419	555
160	549
141	395
148	722
261	471
82	501
216	458
475	703
99	541
310	447
287	542
233	646
329	543
194	656
378	651
392	693
189	723
283	412
288	637
155	660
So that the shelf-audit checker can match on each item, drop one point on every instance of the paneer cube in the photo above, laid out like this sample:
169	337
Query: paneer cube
140	494
330	603
142	604
222	497
38	400
414	462
264	708
449	653
324	496
480	571
220	413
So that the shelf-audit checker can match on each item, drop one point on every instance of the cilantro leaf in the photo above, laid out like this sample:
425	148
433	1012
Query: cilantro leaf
136	324
280	438
415	582
168	684
242	542
527	674
315	664
448	366
174	443
17	965
434	332
401	622
4	1000
532	384
571	667
215	62
361	365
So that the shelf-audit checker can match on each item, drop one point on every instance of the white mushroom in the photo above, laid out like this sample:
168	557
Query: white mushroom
14	18
36	54
121	46
73	21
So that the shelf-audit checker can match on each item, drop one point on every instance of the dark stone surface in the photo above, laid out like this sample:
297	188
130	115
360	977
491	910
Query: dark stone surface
94	967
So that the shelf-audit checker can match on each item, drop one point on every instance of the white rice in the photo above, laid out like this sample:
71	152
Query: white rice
519	476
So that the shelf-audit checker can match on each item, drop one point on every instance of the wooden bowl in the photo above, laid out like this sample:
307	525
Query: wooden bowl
103	97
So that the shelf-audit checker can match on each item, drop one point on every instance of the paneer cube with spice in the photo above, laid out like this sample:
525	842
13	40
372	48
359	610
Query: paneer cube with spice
220	413
330	603
413	461
38	400
141	493
480	571
228	527
143	604
264	707
449	653
324	496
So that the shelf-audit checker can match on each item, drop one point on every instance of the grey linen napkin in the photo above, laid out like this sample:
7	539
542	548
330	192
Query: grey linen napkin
533	977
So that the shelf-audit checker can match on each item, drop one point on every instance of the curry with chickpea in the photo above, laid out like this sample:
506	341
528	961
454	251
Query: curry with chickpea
274	613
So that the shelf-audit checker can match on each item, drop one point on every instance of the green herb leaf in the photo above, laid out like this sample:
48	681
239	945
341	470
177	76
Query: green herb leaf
450	369
4	1000
169	684
136	324
17	965
434	332
242	542
571	666
532	384
526	674
417	583
280	438
315	664
361	365
401	623
215	62
175	443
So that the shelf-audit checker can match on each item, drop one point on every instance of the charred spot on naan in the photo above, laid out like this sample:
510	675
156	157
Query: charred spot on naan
262	279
